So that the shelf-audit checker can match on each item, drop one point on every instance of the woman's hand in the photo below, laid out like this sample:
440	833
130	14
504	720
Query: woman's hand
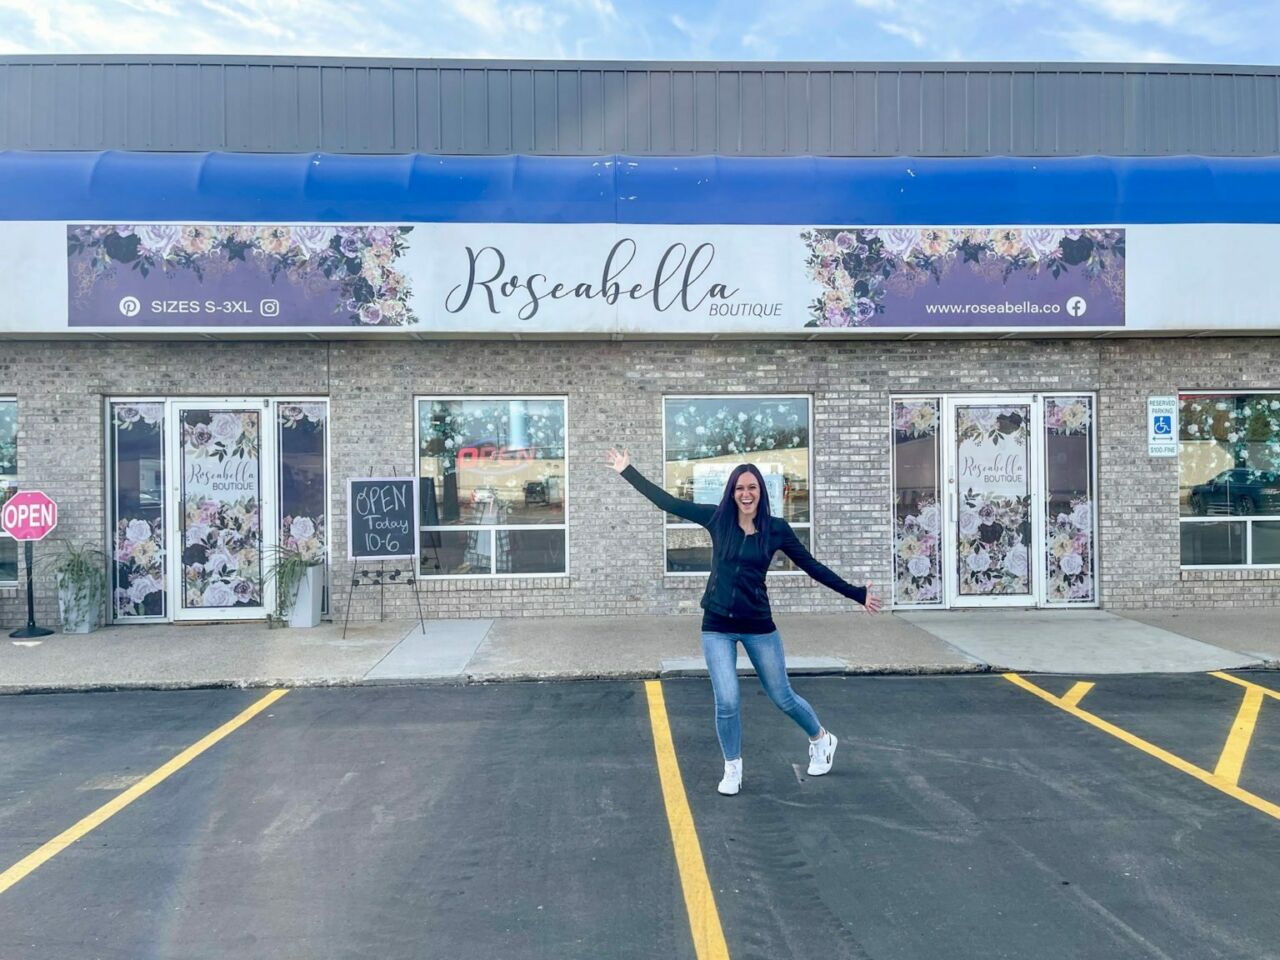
872	603
618	459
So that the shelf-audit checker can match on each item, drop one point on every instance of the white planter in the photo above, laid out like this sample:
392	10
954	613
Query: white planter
79	615
308	602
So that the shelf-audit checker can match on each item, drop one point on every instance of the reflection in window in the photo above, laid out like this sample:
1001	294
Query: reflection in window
8	484
917	516
1228	470
138	523
492	486
707	437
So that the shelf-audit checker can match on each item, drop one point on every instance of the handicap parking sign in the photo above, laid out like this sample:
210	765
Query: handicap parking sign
1162	426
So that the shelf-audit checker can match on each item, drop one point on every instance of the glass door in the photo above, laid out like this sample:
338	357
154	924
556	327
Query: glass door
223	451
994	498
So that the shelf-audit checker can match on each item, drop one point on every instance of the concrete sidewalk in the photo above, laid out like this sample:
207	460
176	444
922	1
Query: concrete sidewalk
460	651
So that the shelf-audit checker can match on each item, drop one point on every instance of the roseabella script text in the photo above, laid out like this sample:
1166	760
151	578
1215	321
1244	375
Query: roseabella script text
677	281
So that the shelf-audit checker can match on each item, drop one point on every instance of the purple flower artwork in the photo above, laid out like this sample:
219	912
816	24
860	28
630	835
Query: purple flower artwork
967	277
172	275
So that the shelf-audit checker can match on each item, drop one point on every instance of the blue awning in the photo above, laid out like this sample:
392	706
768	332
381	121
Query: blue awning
239	187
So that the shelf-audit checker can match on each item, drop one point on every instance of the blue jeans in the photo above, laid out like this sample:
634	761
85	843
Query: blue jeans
765	653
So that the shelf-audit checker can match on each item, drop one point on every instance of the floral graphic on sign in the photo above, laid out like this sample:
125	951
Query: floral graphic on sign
1069	543
994	527
221	534
856	268
357	262
918	521
138	546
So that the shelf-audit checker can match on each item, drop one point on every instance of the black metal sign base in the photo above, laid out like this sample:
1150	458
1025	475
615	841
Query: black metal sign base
380	578
30	630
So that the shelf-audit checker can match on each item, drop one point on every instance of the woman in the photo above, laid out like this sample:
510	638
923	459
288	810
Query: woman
735	604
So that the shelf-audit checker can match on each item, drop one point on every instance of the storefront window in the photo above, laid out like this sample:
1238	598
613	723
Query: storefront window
138	517
706	437
1068	499
301	430
917	510
492	486
1229	478
8	484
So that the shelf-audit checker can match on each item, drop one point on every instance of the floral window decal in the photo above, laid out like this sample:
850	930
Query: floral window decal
917	533
994	521
1069	506
138	543
221	509
303	485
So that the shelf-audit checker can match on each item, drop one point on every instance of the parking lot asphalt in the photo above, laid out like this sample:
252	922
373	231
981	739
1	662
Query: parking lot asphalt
967	816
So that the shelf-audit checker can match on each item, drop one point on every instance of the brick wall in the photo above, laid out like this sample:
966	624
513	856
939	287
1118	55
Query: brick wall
615	395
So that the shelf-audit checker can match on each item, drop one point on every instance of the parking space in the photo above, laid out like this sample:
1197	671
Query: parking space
966	817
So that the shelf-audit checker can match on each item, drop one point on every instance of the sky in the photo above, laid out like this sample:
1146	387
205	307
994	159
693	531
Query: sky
1187	31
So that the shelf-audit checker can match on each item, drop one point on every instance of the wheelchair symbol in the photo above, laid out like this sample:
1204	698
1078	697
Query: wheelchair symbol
1163	425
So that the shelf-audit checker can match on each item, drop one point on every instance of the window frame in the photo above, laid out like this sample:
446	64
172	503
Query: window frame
810	525
418	400
16	581
1208	518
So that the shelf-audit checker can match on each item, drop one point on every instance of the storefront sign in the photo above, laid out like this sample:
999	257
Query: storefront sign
581	278
29	515
991	470
606	278
382	513
1162	426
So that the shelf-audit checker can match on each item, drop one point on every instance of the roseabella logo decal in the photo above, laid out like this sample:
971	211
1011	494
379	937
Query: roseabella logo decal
680	281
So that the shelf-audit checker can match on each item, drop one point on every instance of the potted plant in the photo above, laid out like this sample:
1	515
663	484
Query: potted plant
299	581
81	573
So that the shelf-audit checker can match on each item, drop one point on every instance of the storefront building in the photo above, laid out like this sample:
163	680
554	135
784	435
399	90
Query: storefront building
995	335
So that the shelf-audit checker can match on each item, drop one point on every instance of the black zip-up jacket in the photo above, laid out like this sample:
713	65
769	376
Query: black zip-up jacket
736	587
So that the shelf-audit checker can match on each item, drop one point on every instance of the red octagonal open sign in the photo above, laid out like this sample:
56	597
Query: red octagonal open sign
29	515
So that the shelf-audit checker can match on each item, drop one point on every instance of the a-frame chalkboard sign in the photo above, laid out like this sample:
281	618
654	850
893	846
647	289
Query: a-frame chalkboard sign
382	526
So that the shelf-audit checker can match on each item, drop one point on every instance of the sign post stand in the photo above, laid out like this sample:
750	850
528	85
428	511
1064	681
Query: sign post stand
29	516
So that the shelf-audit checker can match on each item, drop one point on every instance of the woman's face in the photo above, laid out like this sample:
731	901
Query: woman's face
746	494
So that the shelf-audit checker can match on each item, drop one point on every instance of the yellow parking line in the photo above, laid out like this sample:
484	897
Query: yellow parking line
1241	681
1212	779
1232	760
73	833
1077	693
699	900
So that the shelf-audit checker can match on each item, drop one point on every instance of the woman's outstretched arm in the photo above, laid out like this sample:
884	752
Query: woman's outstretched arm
699	513
803	559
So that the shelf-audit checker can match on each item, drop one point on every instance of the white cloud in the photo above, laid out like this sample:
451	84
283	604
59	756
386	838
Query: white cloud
1166	13
910	34
1090	44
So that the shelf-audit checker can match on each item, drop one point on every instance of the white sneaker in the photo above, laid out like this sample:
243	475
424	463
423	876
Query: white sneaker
822	753
732	781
